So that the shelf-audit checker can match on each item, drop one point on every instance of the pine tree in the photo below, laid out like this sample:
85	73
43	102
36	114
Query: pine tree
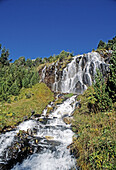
111	84
14	89
34	78
4	57
103	101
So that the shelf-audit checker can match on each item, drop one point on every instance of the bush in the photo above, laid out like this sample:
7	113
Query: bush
9	101
16	99
28	95
103	101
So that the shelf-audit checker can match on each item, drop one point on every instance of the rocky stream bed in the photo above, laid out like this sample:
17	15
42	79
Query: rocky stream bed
40	143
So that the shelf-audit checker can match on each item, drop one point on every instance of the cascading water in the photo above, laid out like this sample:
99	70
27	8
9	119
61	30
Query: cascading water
54	136
43	74
79	73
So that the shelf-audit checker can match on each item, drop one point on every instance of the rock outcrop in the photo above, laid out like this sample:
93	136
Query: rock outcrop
76	76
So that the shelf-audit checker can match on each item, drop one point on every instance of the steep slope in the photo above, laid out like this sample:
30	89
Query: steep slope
76	76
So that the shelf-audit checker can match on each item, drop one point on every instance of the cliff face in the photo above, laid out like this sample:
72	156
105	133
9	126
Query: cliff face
76	76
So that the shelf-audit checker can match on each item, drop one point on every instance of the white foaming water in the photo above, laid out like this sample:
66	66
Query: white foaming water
7	138
48	161
56	131
78	74
29	124
43	74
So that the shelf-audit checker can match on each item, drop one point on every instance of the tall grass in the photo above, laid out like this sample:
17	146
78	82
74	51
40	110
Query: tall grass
38	97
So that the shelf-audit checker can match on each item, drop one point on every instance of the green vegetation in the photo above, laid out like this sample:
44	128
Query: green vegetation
38	98
107	46
98	98
14	76
94	121
95	142
63	59
20	93
111	83
68	95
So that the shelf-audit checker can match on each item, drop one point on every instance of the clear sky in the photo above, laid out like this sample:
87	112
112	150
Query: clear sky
40	28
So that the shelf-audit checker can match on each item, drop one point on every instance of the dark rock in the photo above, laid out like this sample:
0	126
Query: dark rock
67	120
37	115
25	118
29	132
86	79
23	145
32	112
84	60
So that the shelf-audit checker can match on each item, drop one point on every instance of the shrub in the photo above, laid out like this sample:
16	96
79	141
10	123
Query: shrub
9	101
16	98
28	95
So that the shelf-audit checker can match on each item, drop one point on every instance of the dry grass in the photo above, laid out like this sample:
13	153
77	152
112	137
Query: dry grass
15	112
95	140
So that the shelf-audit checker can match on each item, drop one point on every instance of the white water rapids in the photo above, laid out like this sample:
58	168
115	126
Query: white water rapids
55	131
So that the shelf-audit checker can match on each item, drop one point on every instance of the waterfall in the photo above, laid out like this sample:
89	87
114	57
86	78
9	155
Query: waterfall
43	74
54	137
76	76
79	73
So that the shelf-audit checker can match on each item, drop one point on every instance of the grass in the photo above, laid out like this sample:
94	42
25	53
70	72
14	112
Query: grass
39	96
68	95
62	63
94	144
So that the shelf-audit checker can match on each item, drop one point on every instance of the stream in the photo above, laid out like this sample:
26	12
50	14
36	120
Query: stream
54	137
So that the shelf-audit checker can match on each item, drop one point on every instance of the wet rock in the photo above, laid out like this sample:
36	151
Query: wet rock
77	75
25	118
53	142
67	120
22	146
49	137
86	79
37	115
32	112
7	129
29	132
84	60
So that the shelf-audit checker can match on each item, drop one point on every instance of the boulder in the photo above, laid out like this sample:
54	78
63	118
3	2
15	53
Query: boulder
67	120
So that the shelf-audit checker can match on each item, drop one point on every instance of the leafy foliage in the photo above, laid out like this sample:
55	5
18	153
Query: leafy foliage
103	101
14	76
111	84
22	73
109	45
4	57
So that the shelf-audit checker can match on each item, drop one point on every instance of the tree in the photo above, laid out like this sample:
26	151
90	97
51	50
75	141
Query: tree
38	61
29	63
20	61
102	100
34	79
101	44
14	89
4	57
111	84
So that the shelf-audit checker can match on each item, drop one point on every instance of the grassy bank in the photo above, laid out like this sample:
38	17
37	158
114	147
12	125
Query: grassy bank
30	100
95	140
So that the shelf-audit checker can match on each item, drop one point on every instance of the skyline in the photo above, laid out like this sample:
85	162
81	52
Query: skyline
42	28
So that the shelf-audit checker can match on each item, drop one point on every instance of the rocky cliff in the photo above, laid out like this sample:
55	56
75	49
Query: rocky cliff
76	76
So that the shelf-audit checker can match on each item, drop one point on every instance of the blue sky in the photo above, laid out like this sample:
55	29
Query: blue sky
40	28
